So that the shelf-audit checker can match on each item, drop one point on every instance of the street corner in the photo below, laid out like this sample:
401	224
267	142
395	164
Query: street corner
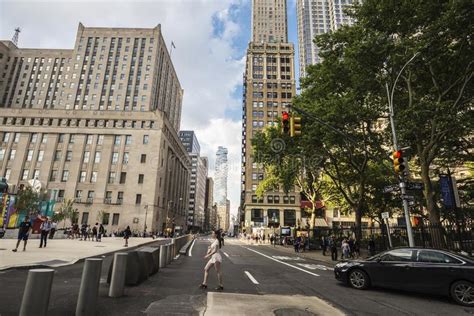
178	305
246	304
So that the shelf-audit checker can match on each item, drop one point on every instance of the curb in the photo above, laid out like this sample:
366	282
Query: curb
184	250
32	266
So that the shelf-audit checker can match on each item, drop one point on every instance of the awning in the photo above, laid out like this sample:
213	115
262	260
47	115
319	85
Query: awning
308	204
320	222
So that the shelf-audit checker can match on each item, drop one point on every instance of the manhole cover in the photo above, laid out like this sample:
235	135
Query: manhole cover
292	312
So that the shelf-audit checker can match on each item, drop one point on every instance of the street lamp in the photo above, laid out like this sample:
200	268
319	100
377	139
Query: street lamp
144	226
411	241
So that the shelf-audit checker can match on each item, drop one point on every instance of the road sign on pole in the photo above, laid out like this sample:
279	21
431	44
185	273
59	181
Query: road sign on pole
391	188
408	197
415	186
385	215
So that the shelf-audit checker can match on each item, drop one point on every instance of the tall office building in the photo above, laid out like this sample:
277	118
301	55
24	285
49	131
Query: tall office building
197	187
269	85
98	124
269	21
316	17
209	217
220	176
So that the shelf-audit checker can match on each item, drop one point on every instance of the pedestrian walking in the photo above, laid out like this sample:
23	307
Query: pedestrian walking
101	232
54	225
356	249
23	233
272	239
95	231
333	246
263	238
345	249
126	235
297	244
84	231
215	260
351	247
372	246
45	228
89	232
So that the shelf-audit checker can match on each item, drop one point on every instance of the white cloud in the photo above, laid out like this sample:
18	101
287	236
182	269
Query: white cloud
208	65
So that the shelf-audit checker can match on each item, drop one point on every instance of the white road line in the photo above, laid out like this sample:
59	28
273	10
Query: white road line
251	277
225	253
177	257
287	264
191	249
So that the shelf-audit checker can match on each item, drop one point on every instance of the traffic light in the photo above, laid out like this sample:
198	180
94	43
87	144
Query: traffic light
295	126
285	123
399	162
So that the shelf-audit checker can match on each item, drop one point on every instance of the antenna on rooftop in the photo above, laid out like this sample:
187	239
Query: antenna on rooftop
16	35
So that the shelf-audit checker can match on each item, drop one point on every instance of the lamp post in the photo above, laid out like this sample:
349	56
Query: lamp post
144	226
167	213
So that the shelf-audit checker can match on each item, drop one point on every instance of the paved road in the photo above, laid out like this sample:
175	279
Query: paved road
259	271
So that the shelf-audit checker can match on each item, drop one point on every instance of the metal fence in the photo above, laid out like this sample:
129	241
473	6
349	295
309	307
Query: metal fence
447	236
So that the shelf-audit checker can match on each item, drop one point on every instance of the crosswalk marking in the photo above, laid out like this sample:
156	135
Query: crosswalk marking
225	253
314	266
251	277
287	264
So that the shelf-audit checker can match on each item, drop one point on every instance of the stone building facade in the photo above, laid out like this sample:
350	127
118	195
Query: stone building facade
98	124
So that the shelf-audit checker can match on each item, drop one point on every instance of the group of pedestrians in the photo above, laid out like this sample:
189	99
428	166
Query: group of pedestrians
350	247
47	230
300	243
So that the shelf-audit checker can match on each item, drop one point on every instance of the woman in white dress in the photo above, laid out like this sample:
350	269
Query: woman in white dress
216	261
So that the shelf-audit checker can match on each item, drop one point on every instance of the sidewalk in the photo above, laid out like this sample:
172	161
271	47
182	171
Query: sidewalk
61	252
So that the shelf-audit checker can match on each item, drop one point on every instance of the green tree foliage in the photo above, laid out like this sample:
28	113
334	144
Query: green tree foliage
28	201
67	211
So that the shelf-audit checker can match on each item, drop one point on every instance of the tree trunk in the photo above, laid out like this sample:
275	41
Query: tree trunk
358	221
313	217
435	229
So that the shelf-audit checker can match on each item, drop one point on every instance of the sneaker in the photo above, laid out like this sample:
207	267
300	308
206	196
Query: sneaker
14	250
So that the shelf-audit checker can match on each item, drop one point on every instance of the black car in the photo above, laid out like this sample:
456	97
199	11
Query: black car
414	269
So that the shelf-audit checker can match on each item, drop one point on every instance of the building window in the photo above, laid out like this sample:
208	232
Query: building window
65	175
12	154
115	219
97	157
82	176
89	139
111	178
61	138
119	197
105	219
94	176
138	199
40	155
53	176
128	139
6	137
292	200
140	178
117	140
29	156
289	218
24	174
123	177
87	155
143	158
7	173
100	139
68	155
85	218
125	158
115	156
34	137
145	139
45	139
2	153
72	138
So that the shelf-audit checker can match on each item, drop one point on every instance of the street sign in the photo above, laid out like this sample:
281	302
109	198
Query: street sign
408	197
385	215
391	188
414	186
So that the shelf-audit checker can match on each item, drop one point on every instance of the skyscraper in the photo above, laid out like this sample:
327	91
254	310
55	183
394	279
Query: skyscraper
269	85
316	17
98	124
197	185
220	176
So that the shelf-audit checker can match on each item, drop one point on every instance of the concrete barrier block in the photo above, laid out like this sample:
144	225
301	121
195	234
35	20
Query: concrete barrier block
155	257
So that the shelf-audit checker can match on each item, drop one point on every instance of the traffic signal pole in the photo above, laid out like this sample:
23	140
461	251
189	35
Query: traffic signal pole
402	183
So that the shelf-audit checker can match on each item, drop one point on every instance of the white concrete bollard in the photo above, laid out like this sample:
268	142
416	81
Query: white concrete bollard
163	256
89	289
119	270
37	292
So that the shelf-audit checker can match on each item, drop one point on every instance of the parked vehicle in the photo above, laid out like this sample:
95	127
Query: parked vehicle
414	269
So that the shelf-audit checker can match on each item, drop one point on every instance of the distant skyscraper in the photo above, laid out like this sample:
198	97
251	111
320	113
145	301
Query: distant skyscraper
220	176
269	21
190	142
316	17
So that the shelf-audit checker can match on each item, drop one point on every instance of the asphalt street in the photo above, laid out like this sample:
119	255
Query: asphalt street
248	269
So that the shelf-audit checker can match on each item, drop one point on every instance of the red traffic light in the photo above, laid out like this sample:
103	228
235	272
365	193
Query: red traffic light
285	116
397	154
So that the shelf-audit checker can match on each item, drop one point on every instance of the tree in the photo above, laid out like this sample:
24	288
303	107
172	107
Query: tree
433	102
67	211
100	216
28	201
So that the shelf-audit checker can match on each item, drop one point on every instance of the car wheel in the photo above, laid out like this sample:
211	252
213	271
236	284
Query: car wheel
462	293
358	279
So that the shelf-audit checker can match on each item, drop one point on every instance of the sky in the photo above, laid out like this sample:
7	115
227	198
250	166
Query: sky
210	36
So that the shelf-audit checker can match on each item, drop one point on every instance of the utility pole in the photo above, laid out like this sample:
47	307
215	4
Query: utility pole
401	179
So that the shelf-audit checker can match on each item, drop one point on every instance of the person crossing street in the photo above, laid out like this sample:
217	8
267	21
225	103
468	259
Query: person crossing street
45	229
